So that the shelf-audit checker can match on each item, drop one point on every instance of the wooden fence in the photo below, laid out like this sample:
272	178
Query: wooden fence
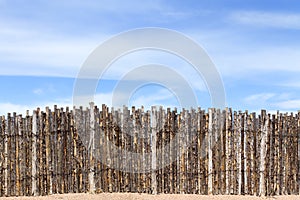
187	152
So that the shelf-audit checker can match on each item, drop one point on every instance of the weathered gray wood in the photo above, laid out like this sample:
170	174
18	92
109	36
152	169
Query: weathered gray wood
297	147
235	154
5	166
91	149
246	151
210	152
298	153
48	151
153	150
228	136
263	153
253	153
34	154
240	153
214	153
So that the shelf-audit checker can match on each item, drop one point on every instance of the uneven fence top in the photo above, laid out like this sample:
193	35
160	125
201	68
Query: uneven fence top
149	151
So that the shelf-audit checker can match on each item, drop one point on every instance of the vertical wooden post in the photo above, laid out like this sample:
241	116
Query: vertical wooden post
210	153
183	152
284	154
298	153
109	150
215	151
91	149
40	157
48	152
263	150
268	156
295	156
17	156
272	153
199	148
222	139
4	127
277	158
280	153
235	150
179	155
55	150
228	136
171	151
153	150
252	146
34	152
126	162
134	144
2	156
239	149
162	147
14	154
29	153
246	150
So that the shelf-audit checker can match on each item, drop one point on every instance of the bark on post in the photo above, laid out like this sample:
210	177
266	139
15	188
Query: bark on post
210	152
276	169
240	154
246	154
5	167
222	139
91	149
199	148
34	152
153	150
48	152
263	150
228	136
298	152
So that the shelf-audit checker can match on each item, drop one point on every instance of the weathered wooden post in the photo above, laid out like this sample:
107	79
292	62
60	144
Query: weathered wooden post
239	149
210	152
228	136
263	150
298	152
91	149
48	152
222	139
246	150
5	165
34	152
153	150
199	146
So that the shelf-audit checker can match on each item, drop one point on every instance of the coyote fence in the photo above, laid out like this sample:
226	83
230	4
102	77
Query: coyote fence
188	152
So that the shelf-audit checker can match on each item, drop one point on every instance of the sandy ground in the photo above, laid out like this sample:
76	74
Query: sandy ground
147	197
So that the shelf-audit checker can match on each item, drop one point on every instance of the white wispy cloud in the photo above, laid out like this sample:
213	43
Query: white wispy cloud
284	102
293	104
19	108
291	84
260	98
267	19
161	97
114	6
263	59
47	56
38	91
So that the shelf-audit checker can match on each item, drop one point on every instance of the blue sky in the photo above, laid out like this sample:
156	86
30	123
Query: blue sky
255	45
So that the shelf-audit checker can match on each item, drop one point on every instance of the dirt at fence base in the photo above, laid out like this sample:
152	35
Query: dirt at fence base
119	196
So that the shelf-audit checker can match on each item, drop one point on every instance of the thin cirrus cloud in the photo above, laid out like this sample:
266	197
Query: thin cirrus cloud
48	56
285	102
263	59
292	104
267	19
